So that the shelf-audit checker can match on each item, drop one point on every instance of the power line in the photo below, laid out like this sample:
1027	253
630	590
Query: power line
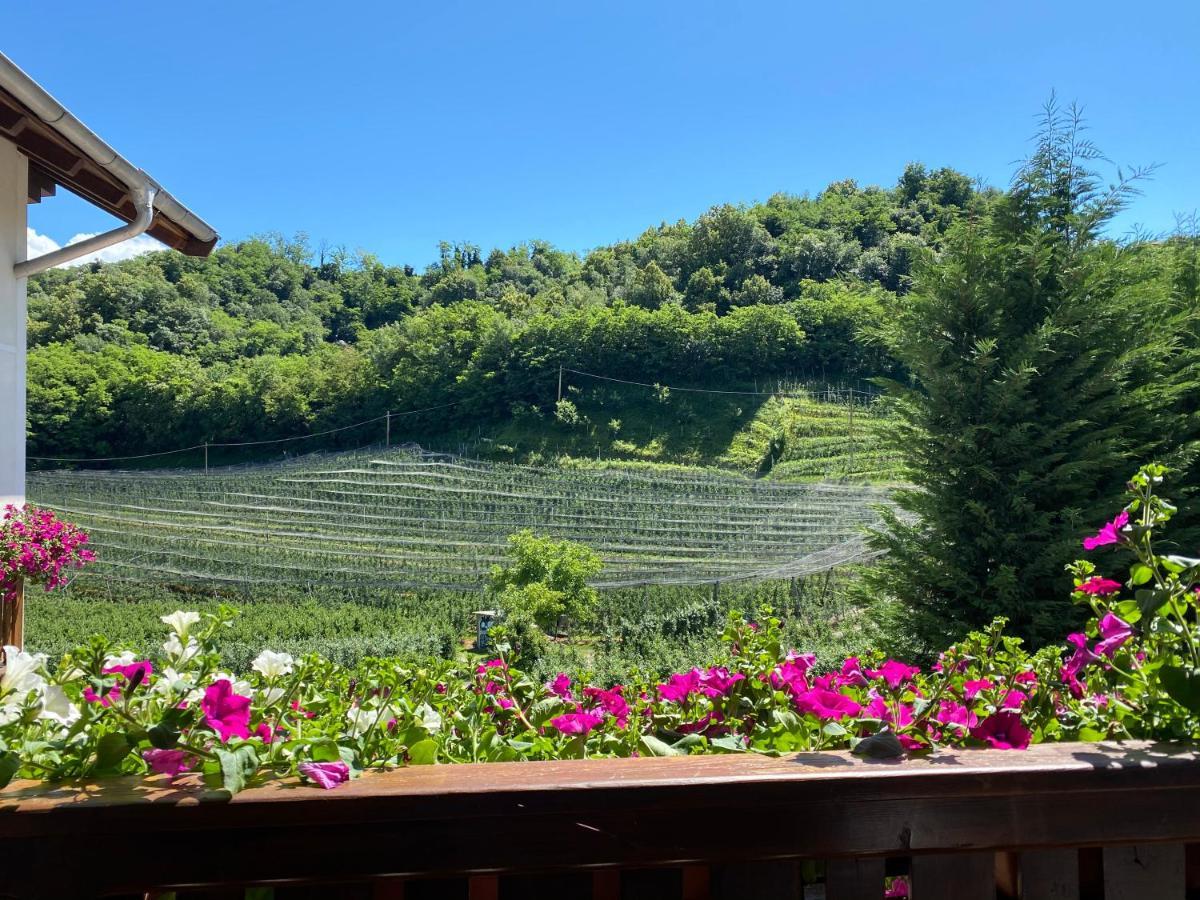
299	437
692	390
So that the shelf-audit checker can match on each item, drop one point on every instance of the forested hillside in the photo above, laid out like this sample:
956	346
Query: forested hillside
268	338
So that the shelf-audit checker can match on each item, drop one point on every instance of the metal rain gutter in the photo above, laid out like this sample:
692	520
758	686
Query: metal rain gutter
140	184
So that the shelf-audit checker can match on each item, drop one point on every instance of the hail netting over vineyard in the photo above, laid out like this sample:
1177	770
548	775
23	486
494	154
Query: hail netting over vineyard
407	519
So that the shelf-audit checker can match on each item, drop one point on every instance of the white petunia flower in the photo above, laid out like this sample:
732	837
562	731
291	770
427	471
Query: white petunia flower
361	718
273	665
176	651
272	695
23	672
57	708
127	658
180	621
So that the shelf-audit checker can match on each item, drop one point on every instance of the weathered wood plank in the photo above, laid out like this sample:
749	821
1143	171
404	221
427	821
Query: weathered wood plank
1142	871
767	880
954	876
696	883
606	884
1050	875
483	887
854	879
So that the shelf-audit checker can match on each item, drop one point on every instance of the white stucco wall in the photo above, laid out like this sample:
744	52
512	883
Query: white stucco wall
13	195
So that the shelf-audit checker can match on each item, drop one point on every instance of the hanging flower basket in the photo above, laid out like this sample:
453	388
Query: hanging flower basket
36	547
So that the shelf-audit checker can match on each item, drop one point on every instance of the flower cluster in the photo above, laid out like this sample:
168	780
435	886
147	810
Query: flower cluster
35	547
1132	672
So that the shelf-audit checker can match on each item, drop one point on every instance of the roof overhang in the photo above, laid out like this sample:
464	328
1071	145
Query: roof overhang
62	151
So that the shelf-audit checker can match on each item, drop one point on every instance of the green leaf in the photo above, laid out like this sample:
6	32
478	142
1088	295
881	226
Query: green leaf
884	745
688	741
236	766
110	750
1182	686
544	710
729	743
655	747
423	753
10	763
163	736
324	750
1139	574
1150	600
833	729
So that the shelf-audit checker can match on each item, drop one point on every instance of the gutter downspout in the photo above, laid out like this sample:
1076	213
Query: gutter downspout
143	199
58	117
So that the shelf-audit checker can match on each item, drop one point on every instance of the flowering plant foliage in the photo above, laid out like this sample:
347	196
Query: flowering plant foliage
1134	672
35	547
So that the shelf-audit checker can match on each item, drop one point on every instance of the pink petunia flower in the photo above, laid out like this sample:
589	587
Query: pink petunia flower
826	704
851	674
1026	679
1114	632
611	701
951	713
1109	534
1013	700
327	774
717	682
680	686
1004	731
168	762
576	722
561	686
895	673
897	890
1100	587
226	713
971	689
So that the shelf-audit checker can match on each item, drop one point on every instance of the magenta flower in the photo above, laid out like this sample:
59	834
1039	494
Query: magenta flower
1113	633
895	673
265	732
791	676
851	674
1100	587
561	686
168	762
1025	679
1109	534
680	686
826	704
576	722
1082	657
327	774
226	713
1013	700
611	701
951	713
717	682
1004	731
878	708
897	890
971	689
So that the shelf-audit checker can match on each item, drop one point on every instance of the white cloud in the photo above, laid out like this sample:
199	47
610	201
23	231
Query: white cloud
143	243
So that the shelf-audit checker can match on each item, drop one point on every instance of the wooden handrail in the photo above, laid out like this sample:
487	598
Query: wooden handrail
133	834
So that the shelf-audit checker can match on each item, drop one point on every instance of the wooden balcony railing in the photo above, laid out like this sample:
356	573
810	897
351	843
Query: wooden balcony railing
1057	821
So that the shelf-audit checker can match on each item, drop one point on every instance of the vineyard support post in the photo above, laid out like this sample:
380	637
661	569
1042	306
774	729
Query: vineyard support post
560	371
206	457
851	472
387	429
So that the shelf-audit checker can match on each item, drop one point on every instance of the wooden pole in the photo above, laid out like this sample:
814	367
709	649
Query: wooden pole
206	457
560	370
388	429
12	620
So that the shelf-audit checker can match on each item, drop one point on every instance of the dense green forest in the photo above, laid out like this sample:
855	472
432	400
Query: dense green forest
270	339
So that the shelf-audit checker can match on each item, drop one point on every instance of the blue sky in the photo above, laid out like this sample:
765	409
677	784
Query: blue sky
390	126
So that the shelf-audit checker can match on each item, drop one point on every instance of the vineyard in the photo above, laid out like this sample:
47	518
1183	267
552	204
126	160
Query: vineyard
387	550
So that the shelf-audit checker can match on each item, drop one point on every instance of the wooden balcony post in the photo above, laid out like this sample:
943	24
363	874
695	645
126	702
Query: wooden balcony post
12	620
